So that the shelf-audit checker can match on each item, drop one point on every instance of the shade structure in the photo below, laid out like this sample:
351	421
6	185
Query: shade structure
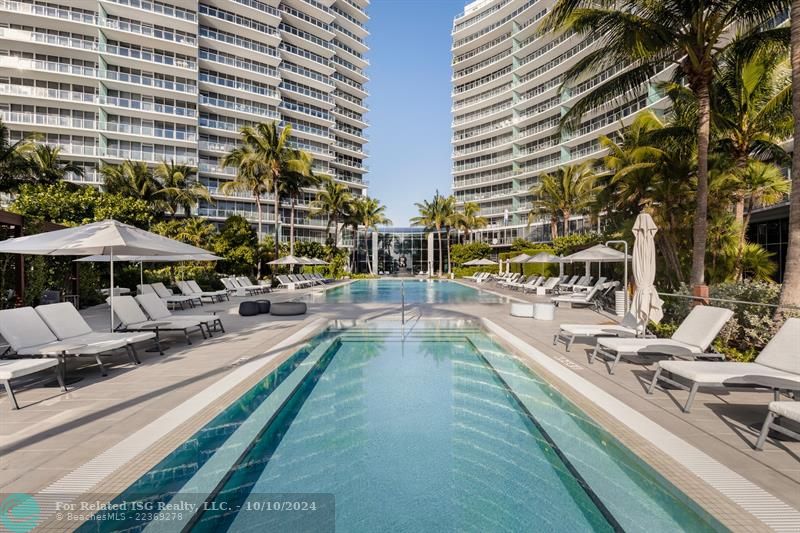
482	262
306	260
599	253
544	257
646	304
287	260
107	237
521	258
318	261
142	259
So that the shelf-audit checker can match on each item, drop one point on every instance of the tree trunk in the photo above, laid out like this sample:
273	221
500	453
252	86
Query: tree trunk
291	228
335	233
449	268
366	249
553	228
260	233
700	229
439	235
566	223
738	213
277	204
790	291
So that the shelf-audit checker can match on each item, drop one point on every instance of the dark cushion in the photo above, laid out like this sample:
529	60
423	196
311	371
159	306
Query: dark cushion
248	308
288	308
263	306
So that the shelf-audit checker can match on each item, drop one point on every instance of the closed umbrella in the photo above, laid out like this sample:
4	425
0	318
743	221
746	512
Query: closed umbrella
107	237
646	304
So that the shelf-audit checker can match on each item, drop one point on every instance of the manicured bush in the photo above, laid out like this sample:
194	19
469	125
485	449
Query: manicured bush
461	253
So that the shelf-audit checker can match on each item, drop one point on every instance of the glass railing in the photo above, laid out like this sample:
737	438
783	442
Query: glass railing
235	40
150	131
219	124
472	53
160	8
237	84
48	11
461	119
238	106
148	106
48	120
305	109
148	156
76	149
348	17
216	147
47	66
307	73
483	64
305	36
149	82
238	20
144	55
348	33
473	132
304	53
209	167
306	91
482	97
303	16
238	62
482	15
149	31
482	163
42	92
481	81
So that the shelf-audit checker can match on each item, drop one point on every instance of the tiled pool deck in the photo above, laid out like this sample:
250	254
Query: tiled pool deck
55	433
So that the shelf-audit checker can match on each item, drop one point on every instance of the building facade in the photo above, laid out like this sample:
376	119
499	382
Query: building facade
507	102
153	80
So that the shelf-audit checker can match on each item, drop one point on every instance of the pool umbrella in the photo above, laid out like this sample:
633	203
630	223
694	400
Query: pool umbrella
107	237
599	253
470	263
287	260
141	259
546	257
646	304
483	262
520	259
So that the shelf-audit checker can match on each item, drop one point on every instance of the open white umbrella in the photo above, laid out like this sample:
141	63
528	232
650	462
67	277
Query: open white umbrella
142	259
107	237
483	262
599	253
546	257
646	304
287	260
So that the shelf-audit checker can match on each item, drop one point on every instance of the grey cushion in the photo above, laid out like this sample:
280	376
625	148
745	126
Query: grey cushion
263	306
248	308
288	308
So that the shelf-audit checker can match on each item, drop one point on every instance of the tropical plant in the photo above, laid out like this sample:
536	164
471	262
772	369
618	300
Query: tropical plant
647	36
133	179
14	165
333	200
47	165
180	187
237	242
371	214
790	289
469	219
250	178
567	191
299	175
433	215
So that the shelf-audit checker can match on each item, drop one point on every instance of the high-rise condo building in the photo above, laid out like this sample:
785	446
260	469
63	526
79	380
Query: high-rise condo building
153	80
507	104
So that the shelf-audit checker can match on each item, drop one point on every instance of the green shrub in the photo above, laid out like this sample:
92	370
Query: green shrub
461	253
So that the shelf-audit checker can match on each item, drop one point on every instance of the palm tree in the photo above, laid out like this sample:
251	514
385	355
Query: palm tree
250	179
469	219
433	216
48	167
332	200
790	290
451	219
569	190
14	165
648	35
180	187
133	179
298	176
371	214
270	145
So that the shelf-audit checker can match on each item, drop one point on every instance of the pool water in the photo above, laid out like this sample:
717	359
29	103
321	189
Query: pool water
430	427
417	291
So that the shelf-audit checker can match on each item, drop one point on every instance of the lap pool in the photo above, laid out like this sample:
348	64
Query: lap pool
417	291
431	427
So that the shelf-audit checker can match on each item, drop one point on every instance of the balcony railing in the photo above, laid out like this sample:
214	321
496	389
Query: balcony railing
49	11
41	119
158	7
149	31
43	92
144	55
238	106
148	106
150	131
136	79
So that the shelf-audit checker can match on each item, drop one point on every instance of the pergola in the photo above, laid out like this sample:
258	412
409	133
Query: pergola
18	224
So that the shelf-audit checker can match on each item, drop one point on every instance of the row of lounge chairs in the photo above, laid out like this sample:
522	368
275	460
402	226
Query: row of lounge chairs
302	280
242	286
578	291
686	363
42	338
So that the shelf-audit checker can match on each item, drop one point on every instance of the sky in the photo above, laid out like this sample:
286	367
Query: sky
409	134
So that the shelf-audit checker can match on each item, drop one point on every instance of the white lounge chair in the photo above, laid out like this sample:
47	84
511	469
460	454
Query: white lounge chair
629	327
582	299
778	410
187	289
518	280
132	318
68	325
692	338
17	368
156	310
548	286
245	283
28	334
170	298
778	362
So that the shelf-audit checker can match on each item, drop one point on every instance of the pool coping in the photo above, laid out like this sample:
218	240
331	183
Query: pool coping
110	473
736	502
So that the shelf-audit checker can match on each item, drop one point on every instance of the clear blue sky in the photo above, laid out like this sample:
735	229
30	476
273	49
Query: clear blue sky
409	133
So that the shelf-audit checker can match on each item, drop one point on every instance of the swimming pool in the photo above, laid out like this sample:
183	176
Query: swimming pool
417	291
431	427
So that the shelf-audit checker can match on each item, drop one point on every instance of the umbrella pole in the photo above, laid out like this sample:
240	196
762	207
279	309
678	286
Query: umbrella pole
141	274
111	288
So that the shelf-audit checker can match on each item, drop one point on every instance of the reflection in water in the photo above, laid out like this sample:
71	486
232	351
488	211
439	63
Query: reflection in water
417	291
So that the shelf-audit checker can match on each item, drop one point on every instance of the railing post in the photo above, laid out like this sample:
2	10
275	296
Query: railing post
403	302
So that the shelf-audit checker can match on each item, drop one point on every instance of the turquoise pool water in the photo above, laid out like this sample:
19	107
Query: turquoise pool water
429	428
416	291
